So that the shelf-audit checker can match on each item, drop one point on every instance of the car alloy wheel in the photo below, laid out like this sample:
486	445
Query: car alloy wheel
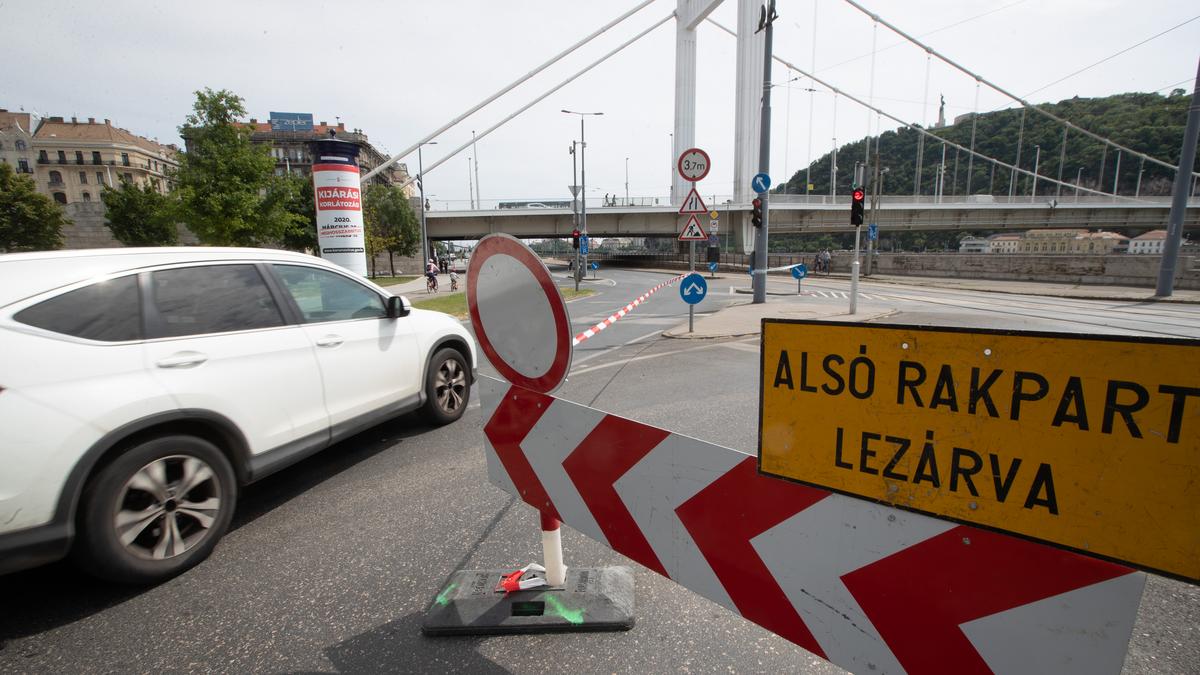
450	386
167	507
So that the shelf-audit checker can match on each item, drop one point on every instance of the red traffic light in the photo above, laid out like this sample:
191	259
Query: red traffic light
858	194
575	233
757	203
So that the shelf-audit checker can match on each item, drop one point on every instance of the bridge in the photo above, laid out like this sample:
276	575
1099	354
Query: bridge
1060	203
799	214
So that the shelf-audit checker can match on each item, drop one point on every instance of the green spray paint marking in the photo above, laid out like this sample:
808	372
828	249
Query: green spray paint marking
443	598
574	616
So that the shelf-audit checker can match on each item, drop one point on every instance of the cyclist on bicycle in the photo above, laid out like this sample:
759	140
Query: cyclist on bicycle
453	280
431	272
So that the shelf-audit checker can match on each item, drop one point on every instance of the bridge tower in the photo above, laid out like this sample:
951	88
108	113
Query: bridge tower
748	92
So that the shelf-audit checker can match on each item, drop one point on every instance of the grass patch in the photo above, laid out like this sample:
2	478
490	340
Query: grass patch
456	303
383	280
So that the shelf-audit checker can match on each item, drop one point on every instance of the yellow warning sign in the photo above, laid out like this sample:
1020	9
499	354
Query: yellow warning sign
1091	443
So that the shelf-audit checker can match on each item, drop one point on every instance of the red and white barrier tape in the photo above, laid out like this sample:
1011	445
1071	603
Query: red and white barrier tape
622	312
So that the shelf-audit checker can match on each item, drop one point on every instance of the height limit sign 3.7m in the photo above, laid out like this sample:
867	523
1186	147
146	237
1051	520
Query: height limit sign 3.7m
694	164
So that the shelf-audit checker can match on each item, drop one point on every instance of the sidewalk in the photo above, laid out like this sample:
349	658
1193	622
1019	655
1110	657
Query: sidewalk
746	318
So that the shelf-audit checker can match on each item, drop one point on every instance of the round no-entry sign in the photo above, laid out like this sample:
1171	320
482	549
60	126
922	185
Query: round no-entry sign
693	164
518	314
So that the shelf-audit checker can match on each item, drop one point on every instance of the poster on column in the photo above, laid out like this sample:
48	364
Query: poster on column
339	216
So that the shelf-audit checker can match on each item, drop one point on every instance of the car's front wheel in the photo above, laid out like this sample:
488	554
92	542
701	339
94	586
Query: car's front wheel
447	387
156	510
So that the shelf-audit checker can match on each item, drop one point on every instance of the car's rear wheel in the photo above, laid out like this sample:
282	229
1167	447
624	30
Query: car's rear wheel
156	510
447	387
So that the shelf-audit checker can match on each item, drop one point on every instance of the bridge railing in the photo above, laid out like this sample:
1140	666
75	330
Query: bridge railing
726	202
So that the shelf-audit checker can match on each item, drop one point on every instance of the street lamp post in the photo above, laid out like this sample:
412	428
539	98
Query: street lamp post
424	230
626	181
582	185
1078	178
1036	158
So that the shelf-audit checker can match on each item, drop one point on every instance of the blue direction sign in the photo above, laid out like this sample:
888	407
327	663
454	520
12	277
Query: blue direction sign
761	182
873	232
799	271
583	244
595	266
712	267
693	288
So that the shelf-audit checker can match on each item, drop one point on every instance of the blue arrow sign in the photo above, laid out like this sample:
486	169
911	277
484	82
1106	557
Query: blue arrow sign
761	182
693	288
873	232
595	266
799	271
583	244
712	267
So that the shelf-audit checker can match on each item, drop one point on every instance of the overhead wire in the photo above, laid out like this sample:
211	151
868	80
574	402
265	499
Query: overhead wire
1024	103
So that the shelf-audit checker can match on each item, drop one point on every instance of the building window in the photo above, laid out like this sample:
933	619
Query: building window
87	196
79	157
42	156
60	197
1	146
127	177
99	178
155	184
20	145
83	178
96	158
62	157
55	178
124	159
23	166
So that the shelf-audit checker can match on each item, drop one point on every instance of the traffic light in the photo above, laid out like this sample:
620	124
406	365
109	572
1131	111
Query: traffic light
856	206
575	239
756	213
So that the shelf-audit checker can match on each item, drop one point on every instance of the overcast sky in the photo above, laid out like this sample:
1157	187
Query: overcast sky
399	70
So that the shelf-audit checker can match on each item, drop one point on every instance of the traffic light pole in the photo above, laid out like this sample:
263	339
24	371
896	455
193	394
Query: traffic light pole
858	181
759	281
1183	178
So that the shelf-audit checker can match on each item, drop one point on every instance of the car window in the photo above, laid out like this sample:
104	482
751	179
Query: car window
322	295
105	311
211	299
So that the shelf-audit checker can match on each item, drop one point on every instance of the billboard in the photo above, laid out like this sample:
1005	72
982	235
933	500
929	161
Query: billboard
286	121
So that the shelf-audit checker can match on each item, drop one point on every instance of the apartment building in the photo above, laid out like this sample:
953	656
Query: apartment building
16	141
1150	243
75	159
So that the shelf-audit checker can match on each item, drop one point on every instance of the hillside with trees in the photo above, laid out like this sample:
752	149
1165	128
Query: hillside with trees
1151	123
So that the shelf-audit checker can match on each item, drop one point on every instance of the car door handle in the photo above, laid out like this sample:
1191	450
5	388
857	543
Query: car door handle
182	360
330	341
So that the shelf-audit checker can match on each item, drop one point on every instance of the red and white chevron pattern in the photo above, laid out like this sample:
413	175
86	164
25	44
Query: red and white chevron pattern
621	312
868	587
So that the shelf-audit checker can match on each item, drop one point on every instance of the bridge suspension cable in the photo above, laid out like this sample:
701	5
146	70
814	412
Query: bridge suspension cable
543	96
838	92
979	78
554	59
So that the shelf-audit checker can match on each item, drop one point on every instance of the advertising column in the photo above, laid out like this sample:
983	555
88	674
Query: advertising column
340	235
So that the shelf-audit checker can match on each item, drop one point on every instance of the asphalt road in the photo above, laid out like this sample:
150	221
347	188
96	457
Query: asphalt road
330	564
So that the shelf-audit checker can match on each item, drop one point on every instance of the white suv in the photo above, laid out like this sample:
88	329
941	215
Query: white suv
140	387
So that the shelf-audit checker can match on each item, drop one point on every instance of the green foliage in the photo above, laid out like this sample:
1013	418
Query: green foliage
29	221
391	225
139	216
295	193
226	192
1150	123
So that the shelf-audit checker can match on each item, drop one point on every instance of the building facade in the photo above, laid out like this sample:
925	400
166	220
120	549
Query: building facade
75	160
290	137
1150	243
1004	243
1048	241
1099	243
16	141
973	245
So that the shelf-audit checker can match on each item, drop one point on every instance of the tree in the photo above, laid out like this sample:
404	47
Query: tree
139	216
296	193
29	221
226	191
391	225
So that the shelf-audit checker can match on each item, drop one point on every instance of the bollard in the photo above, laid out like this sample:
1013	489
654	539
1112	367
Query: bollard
556	571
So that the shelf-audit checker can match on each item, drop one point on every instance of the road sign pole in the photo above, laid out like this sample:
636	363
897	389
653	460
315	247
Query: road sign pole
759	282
1183	177
691	268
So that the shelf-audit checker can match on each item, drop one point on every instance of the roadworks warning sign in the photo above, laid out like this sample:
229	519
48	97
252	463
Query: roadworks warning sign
1089	443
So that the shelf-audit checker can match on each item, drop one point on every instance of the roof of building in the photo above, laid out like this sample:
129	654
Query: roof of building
91	130
1151	235
1008	236
1102	235
15	121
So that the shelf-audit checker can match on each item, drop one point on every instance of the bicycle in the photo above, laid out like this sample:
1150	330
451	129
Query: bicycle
453	282
431	284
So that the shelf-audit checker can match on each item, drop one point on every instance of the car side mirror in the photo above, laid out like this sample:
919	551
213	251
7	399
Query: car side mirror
398	306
